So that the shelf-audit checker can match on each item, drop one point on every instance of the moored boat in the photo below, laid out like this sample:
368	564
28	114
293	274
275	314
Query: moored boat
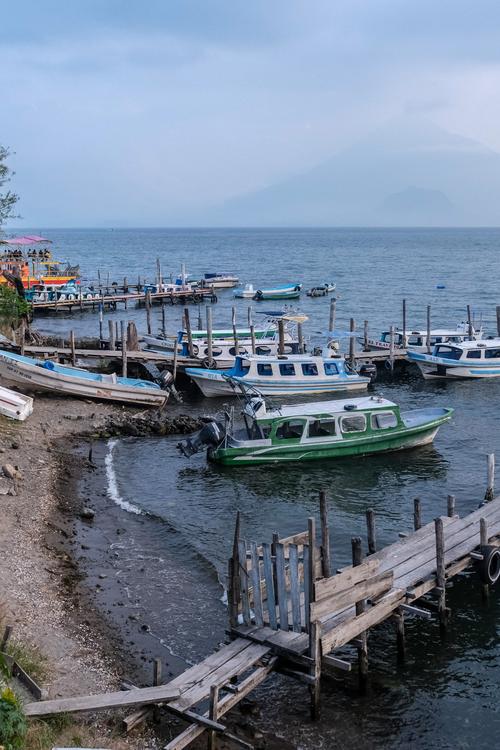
316	431
15	405
246	292
285	291
467	359
44	375
293	374
417	340
219	280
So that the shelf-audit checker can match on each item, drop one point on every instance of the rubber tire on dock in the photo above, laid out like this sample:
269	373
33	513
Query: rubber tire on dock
209	364
489	567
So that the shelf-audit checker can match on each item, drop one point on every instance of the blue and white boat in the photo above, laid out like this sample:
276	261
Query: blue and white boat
467	359
219	280
36	375
285	291
282	375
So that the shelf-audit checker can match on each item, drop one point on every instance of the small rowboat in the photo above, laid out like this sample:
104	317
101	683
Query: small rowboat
44	375
15	405
316	431
287	291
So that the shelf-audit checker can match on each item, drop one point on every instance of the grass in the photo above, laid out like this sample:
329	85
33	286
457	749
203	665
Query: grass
29	658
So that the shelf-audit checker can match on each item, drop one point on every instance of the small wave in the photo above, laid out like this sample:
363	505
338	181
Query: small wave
112	488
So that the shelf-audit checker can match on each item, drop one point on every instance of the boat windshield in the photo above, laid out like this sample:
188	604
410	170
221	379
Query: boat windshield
292	429
447	352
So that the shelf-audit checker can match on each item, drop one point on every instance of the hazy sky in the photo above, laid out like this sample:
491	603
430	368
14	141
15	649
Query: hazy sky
146	113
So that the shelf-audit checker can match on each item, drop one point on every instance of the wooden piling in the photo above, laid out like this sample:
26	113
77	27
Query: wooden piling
208	314
440	570
22	337
189	332
333	311
371	531
428	338
325	535
314	632
352	343
158	275
235	333
147	300
357	558
300	338
72	346
101	320
404	342
5	638
125	285
451	506
417	513
281	336
399	620
365	336
132	337
176	354
483	541
163	317
156	672
490	489
391	348
213	715
498	320
470	328
124	348
200	320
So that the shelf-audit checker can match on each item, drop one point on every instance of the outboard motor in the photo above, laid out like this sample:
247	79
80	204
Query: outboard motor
210	434
368	371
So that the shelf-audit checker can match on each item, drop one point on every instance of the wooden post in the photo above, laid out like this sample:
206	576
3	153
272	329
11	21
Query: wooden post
125	285
352	343
498	320
200	321
163	317
5	638
117	332
440	570
158	275
132	337
404	343
333	310
490	490
357	558
300	338
391	347
72	345
189	332
451	506
470	328
235	333
371	531
281	336
101	312
23	337
111	329
208	311
124	348
325	535
147	300
417	514
399	619
156	672
483	541
314	630
252	338
176	354
213	714
365	336
428	339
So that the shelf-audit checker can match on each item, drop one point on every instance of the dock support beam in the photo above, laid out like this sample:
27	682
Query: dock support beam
357	558
314	629
483	541
325	536
490	490
371	531
399	620
417	514
440	572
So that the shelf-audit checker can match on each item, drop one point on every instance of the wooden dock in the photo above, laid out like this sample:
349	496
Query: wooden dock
289	613
111	301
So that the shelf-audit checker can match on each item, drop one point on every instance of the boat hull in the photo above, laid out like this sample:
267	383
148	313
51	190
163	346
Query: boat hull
35	379
261	296
437	368
213	385
403	440
15	405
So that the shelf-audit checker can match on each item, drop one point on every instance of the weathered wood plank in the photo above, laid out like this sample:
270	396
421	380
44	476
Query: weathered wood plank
295	588
370	588
269	580
256	587
102	701
243	574
281	587
328	587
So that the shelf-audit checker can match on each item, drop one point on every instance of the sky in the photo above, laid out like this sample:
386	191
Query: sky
126	113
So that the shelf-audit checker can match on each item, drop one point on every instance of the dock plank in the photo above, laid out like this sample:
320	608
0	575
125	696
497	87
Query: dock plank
102	701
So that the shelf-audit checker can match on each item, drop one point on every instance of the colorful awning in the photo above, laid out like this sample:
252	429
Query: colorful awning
29	239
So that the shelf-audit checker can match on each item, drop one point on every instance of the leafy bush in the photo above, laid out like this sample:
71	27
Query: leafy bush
12	307
13	724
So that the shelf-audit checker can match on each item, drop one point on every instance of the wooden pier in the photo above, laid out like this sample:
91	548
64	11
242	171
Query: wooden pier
289	613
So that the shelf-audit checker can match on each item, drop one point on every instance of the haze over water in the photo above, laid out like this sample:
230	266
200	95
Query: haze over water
446	694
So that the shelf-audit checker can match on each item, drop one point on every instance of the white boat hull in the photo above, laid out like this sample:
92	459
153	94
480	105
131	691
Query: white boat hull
15	405
430	372
213	387
34	378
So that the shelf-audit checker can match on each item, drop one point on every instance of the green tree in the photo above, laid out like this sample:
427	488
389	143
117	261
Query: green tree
8	199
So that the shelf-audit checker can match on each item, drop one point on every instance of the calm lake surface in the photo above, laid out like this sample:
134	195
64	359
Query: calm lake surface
176	515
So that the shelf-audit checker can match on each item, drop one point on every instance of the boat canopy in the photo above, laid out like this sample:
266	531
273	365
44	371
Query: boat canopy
327	407
29	239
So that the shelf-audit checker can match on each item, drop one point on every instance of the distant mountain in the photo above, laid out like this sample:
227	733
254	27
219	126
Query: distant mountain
408	172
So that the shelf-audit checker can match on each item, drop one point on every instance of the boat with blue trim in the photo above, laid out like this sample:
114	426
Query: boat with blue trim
285	291
36	375
315	431
468	359
294	374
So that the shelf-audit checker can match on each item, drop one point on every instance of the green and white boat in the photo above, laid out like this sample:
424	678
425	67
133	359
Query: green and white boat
316	431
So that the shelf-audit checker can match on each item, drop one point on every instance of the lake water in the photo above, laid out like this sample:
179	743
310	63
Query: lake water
175	515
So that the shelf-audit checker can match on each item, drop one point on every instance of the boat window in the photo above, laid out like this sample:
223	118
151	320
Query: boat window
354	423
287	368
384	420
309	368
414	340
264	368
492	353
436	340
321	428
474	354
290	430
448	352
265	431
331	368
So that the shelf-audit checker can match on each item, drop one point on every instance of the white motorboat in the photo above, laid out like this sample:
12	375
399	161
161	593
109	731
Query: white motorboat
247	292
468	359
44	375
417	340
15	405
219	280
